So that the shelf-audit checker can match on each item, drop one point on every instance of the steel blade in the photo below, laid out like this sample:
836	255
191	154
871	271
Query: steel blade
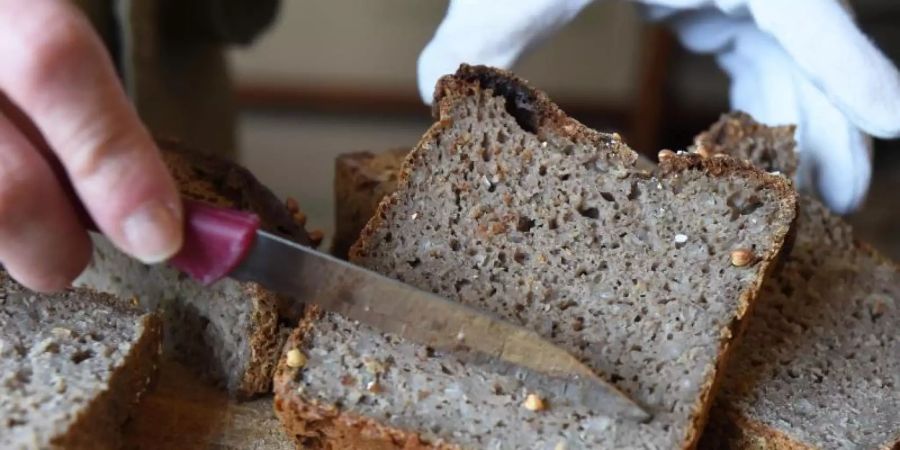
428	319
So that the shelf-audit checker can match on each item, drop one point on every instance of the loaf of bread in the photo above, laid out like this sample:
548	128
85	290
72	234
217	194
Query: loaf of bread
228	331
361	180
510	206
72	367
819	365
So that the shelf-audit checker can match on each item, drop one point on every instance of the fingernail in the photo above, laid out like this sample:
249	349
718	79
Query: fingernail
154	232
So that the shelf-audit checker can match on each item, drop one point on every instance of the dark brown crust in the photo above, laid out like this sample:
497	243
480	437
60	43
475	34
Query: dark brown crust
99	424
533	109
219	181
264	343
731	431
216	180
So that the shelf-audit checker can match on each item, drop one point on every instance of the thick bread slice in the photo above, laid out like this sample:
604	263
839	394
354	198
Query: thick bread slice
72	367
510	206
228	331
819	365
361	180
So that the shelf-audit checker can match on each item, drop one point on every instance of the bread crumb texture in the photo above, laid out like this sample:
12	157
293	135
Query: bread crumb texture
72	366
526	214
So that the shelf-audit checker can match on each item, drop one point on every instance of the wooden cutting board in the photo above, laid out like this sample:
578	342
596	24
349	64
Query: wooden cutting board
184	412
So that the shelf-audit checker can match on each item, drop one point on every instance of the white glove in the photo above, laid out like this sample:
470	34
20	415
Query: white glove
797	61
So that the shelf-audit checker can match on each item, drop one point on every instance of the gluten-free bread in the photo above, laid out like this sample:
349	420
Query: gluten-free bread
510	206
819	365
72	367
227	331
361	180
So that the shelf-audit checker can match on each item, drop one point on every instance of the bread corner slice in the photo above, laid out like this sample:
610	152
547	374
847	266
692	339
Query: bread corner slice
72	367
228	331
510	206
361	180
819	364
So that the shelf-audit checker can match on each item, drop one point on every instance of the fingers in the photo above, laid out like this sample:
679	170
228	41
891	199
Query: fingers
835	151
493	33
767	84
838	58
58	73
763	77
44	244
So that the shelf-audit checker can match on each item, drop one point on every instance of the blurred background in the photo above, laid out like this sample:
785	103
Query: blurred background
340	76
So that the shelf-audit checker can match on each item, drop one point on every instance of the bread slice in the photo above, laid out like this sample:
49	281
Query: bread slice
228	331
72	366
361	180
510	206
819	365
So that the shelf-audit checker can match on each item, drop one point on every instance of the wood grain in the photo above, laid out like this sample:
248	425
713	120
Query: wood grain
185	412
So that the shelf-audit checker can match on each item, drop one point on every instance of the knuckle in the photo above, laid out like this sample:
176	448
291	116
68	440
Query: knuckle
59	40
98	152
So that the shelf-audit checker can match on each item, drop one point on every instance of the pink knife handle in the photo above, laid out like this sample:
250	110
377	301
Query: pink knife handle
216	240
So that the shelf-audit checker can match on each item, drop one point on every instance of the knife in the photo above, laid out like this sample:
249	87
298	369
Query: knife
222	243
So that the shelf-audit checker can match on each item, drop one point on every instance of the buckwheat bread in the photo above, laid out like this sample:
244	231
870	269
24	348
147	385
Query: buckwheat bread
361	180
819	365
228	331
510	206
72	367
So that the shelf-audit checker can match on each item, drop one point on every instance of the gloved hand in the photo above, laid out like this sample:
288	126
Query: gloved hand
798	61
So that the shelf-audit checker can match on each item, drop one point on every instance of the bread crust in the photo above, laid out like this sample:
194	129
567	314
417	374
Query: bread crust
361	180
735	132
315	425
536	113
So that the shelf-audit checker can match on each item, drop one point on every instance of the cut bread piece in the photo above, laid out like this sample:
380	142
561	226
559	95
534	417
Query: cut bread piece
509	206
229	330
361	180
72	367
819	365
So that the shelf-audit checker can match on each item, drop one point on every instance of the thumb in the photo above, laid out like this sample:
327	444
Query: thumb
836	154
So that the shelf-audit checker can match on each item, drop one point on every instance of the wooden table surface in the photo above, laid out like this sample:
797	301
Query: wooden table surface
183	412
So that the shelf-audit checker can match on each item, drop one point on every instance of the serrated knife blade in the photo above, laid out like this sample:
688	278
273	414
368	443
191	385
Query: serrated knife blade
427	319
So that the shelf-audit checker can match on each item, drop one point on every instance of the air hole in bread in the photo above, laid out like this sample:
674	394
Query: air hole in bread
524	224
590	213
520	257
82	355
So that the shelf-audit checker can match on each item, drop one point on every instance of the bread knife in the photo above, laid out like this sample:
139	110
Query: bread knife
227	243
221	242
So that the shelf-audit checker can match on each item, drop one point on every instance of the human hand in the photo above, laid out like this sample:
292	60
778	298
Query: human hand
802	62
61	105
